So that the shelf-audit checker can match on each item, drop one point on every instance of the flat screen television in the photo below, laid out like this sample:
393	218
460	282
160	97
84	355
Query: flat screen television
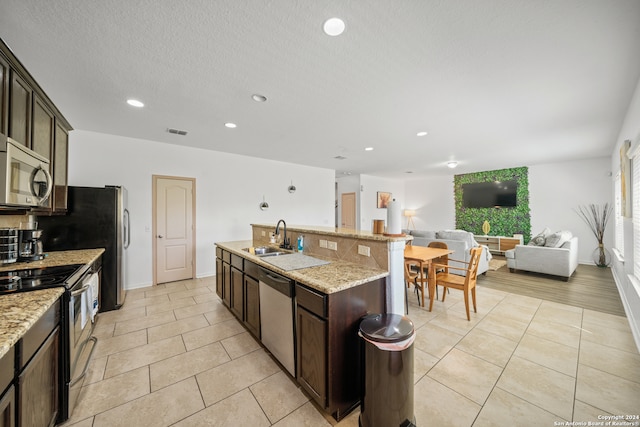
490	194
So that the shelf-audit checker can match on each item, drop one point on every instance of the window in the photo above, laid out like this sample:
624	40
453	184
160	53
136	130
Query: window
635	208
619	226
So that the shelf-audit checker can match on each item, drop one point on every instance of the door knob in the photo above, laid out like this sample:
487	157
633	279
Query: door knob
159	236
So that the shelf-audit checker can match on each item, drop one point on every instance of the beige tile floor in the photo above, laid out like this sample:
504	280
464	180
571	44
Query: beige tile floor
174	355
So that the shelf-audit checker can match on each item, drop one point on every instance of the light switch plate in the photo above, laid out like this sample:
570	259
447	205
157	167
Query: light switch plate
323	243
364	250
332	245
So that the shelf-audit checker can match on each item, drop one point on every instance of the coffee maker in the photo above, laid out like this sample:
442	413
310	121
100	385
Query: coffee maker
30	245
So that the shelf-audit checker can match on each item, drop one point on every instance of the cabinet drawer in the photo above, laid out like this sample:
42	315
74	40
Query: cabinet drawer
237	262
506	244
218	252
226	256
251	269
7	368
312	300
38	333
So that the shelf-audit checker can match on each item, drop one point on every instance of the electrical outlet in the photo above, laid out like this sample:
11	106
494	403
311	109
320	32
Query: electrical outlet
332	245
364	250
323	243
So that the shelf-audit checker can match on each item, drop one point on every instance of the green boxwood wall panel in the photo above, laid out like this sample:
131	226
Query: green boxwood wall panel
503	221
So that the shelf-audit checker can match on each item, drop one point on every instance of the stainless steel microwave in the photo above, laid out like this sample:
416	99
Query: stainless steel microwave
24	175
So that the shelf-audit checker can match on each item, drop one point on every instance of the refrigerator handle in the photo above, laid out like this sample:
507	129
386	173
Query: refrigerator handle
127	229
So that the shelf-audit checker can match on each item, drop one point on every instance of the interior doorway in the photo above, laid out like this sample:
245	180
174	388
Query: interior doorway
173	228
348	213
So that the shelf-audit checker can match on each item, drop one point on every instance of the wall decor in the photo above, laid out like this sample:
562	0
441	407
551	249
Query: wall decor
505	221
383	199
625	180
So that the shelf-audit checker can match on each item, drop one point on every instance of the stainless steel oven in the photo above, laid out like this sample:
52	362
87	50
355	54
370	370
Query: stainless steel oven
83	308
80	303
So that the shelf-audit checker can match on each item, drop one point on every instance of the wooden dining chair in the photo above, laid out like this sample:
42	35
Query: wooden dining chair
443	260
411	275
466	283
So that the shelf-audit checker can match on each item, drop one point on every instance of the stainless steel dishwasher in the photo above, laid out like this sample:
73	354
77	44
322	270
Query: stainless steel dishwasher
277	317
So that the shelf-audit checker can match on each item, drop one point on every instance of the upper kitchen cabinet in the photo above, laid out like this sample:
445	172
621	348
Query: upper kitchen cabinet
28	116
59	161
20	110
4	96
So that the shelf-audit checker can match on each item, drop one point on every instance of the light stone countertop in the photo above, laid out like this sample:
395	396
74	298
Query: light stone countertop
329	278
341	232
52	259
20	311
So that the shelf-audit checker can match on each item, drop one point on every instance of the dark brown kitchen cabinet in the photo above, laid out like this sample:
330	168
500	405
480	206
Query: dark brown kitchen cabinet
312	355
252	305
20	99
7	390
60	169
236	303
8	408
42	129
226	283
28	116
38	403
328	346
219	277
4	95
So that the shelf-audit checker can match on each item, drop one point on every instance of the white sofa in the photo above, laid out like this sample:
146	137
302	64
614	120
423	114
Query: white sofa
459	241
561	261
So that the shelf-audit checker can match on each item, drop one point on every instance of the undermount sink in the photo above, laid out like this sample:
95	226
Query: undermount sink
263	251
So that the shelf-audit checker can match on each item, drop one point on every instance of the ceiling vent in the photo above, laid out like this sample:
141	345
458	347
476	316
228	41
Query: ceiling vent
340	158
177	131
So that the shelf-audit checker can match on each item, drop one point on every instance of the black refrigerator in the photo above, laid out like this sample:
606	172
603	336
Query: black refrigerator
97	217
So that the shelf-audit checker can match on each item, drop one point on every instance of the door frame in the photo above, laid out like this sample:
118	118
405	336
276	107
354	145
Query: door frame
154	225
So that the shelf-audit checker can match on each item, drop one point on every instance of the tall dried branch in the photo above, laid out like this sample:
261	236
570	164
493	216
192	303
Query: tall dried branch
596	217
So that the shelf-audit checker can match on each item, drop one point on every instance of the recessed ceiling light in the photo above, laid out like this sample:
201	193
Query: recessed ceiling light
409	172
333	26
258	98
421	133
135	103
231	125
452	164
368	149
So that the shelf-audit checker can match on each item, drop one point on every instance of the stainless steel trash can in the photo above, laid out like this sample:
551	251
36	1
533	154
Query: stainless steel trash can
387	390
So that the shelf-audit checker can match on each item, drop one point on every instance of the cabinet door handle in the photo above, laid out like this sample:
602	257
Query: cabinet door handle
160	236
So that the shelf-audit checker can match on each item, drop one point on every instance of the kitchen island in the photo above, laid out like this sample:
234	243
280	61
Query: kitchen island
327	302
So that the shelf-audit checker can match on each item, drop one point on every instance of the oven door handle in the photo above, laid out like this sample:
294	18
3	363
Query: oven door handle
80	291
86	366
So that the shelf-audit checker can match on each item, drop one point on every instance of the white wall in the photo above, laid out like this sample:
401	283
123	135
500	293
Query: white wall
369	197
433	200
229	189
557	189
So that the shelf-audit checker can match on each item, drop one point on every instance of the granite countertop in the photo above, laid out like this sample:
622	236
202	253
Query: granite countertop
341	232
52	259
329	278
20	311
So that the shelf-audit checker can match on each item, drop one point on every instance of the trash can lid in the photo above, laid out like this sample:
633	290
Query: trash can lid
387	327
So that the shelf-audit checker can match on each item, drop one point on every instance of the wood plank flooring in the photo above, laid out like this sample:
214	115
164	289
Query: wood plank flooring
590	287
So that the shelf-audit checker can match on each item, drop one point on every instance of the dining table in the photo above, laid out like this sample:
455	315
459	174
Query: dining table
423	256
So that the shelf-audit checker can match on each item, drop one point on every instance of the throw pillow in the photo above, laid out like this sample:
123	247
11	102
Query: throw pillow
540	239
558	239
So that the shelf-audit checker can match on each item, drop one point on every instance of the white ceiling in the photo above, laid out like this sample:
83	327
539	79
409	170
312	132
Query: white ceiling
495	83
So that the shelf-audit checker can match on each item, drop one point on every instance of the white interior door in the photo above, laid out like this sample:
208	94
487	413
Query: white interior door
174	229
349	210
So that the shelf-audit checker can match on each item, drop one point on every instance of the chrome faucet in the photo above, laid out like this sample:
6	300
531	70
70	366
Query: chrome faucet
286	243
